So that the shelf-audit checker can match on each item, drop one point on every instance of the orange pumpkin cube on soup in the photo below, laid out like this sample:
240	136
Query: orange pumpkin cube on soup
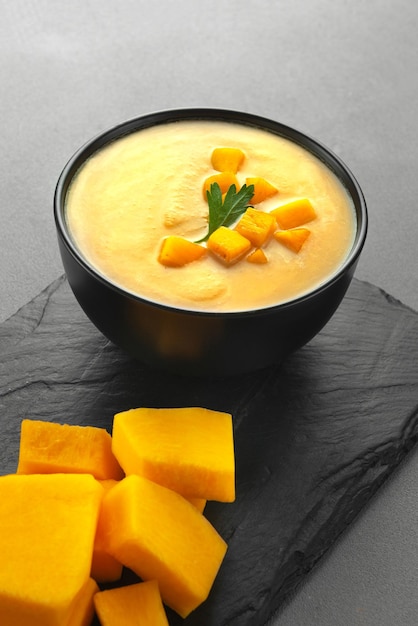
258	257
227	159
263	189
224	180
257	226
177	251
294	213
228	245
293	239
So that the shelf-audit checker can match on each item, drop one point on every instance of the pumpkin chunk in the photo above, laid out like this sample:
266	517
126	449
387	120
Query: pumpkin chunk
82	611
47	528
227	159
292	239
198	503
138	604
160	535
178	251
189	450
294	213
257	226
47	447
104	567
224	180
228	245
257	256
262	189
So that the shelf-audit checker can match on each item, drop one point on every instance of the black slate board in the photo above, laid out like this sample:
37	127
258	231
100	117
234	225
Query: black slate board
315	438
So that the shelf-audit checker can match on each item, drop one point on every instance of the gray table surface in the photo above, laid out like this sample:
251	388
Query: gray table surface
343	72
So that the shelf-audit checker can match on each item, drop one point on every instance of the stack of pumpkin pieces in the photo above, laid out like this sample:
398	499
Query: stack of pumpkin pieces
248	238
84	504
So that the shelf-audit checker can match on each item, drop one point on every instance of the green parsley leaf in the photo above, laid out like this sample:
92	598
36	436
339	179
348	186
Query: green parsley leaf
227	212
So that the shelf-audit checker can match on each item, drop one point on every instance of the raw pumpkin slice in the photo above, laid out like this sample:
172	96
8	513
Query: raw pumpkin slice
224	180
47	529
257	226
227	159
263	189
104	567
161	536
190	450
82	611
294	213
228	245
198	503
47	447
177	251
292	239
138	604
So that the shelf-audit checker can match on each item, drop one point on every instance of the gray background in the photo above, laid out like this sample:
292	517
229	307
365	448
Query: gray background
342	71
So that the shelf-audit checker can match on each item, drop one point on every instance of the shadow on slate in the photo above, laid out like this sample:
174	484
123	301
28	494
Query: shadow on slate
315	438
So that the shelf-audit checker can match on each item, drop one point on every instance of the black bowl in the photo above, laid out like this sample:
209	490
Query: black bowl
194	342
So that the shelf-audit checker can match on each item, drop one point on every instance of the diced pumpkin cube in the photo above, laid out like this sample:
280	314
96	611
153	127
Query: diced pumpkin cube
47	529
161	536
228	245
104	568
177	251
227	159
82	611
294	213
224	180
292	239
263	189
138	604
258	256
257	226
47	447
189	450
198	503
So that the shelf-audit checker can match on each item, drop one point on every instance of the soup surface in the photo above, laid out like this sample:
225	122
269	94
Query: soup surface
146	186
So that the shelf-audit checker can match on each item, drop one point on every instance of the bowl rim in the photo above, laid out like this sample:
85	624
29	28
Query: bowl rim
121	129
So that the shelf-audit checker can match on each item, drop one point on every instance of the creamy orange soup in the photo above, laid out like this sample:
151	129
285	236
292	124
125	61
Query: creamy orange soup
146	186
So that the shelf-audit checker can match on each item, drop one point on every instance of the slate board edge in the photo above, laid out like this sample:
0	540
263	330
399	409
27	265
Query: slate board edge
319	548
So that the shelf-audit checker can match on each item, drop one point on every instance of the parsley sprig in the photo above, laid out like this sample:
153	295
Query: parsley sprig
227	212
